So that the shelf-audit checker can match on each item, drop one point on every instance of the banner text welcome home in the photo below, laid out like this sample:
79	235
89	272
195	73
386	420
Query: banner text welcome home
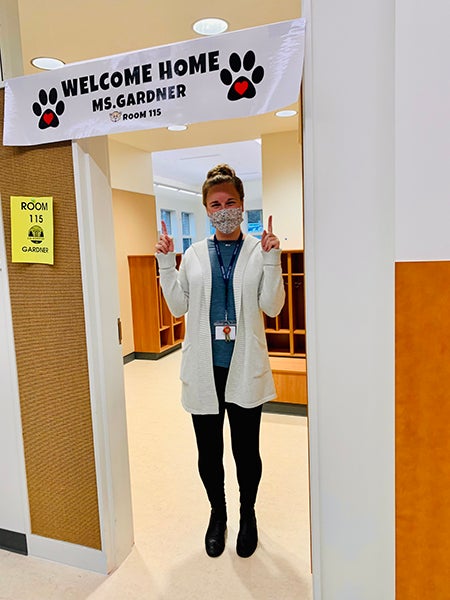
202	63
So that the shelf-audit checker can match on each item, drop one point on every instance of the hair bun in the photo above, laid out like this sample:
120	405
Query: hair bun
222	169
219	175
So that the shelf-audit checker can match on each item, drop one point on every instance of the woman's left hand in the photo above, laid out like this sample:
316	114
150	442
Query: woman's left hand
269	240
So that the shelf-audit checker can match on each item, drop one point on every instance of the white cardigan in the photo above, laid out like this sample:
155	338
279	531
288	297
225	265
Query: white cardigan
258	286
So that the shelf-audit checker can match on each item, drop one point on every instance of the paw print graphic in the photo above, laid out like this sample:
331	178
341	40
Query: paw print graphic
243	86
48	114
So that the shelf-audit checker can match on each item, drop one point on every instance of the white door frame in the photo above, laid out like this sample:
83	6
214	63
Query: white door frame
101	302
349	203
14	508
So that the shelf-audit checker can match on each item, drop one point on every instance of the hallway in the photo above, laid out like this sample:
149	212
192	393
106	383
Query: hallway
171	512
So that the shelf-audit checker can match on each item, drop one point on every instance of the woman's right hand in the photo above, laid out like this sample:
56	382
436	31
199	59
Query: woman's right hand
165	243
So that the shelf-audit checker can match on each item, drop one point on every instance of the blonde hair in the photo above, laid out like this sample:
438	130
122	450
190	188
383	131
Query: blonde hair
222	174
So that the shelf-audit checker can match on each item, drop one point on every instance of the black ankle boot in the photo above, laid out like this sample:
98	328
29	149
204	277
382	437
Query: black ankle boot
216	533
247	539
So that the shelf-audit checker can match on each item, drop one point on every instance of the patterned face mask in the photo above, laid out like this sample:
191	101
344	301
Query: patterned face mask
227	219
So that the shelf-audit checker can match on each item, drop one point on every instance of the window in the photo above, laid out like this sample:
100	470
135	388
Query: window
166	216
186	229
255	222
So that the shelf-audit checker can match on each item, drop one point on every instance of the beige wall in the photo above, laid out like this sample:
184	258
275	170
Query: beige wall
135	233
282	187
131	169
134	220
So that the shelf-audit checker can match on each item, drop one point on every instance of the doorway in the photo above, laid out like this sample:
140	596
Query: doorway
157	422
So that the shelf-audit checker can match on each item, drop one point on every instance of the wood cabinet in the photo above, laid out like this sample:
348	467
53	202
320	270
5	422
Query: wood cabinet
289	376
156	331
286	334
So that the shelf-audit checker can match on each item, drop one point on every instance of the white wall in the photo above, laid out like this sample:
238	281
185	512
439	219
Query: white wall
349	250
253	194
178	203
422	130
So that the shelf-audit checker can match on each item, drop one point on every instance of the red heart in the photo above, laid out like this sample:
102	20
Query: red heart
48	117
241	87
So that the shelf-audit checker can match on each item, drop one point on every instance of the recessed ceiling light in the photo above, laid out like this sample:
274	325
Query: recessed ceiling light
177	127
210	26
285	113
47	63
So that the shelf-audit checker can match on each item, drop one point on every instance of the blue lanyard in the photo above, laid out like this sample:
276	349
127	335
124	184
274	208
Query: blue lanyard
226	273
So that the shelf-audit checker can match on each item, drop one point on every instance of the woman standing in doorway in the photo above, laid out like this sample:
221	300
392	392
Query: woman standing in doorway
224	284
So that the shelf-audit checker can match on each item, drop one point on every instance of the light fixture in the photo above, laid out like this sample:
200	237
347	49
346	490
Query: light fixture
167	187
177	127
285	113
172	188
187	192
46	63
210	26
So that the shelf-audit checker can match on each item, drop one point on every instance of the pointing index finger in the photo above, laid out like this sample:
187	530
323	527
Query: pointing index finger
163	228
269	225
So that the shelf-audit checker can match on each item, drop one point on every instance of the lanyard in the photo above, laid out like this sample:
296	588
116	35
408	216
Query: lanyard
226	273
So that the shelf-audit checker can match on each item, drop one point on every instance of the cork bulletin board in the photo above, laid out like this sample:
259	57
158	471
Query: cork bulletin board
50	342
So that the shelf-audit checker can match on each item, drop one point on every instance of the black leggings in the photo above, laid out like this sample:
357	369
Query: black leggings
244	428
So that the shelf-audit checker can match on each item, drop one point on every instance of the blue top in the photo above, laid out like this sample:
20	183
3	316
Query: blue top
222	350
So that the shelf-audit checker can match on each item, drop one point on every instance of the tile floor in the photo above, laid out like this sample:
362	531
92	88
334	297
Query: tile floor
171	513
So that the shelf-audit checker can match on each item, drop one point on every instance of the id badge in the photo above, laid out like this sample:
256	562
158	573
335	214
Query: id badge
225	330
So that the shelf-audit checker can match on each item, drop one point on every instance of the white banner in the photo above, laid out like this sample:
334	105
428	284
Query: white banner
237	74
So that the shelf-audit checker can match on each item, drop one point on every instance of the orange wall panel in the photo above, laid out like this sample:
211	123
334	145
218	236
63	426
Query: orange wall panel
422	430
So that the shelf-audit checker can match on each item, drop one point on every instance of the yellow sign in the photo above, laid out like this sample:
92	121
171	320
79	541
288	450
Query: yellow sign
32	229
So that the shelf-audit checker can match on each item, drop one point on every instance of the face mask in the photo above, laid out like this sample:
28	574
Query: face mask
227	219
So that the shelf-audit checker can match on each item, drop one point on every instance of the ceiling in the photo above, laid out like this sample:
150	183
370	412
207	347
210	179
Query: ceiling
188	167
89	29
